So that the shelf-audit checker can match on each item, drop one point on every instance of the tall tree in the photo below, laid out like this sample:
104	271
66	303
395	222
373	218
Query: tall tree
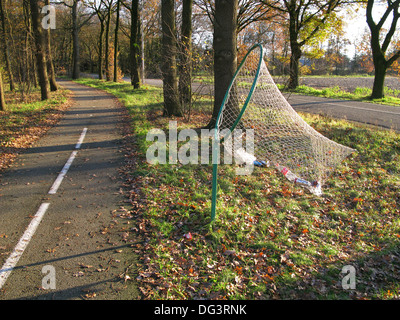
306	18
109	7
379	48
185	77
49	58
2	101
225	51
40	50
77	24
98	8
134	44
169	67
228	19
75	40
5	45
116	45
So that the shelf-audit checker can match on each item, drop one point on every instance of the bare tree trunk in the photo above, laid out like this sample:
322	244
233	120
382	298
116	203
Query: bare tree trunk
225	51
107	48
185	78
101	49
294	65
116	43
295	48
378	89
170	81
75	41
29	65
2	101
379	47
50	66
6	49
40	50
134	45
141	54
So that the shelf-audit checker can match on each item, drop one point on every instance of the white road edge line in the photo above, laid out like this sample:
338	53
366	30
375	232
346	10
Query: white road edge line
82	137
60	178
12	260
350	107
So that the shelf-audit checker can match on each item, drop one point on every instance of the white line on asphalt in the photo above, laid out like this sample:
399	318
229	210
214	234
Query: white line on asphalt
344	106
60	178
12	260
82	137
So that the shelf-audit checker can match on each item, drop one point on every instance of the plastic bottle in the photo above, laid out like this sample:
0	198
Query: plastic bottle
314	186
292	177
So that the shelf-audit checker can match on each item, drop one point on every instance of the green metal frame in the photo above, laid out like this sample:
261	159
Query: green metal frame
216	140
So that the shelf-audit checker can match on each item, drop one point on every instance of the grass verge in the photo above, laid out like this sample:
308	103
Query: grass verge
22	123
271	240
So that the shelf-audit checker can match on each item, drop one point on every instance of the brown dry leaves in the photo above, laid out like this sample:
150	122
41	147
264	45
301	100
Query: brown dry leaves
18	131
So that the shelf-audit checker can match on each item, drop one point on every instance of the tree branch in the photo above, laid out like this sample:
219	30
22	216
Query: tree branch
391	31
393	58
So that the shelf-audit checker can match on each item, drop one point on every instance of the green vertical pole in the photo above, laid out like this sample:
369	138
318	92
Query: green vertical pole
215	158
217	140
214	192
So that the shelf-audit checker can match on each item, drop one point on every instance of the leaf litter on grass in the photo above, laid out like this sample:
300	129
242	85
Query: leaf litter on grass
23	124
271	240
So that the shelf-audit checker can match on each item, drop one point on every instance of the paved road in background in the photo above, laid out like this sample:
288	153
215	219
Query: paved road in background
363	112
369	113
77	236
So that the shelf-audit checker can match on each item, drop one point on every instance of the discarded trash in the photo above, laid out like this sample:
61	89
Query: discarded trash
261	163
188	236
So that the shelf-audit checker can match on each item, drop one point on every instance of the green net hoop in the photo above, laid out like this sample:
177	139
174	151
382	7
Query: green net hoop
282	138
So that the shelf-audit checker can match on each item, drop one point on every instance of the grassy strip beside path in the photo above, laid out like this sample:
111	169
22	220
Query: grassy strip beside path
271	239
22	123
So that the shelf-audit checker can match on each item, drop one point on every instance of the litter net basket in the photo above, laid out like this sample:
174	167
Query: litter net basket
281	137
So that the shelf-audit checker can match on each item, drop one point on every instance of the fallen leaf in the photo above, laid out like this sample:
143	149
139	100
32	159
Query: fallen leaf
90	295
78	274
126	278
229	252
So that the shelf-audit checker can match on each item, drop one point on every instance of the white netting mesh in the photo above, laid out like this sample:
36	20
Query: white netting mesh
281	136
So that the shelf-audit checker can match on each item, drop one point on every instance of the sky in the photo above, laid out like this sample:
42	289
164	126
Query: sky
355	28
357	24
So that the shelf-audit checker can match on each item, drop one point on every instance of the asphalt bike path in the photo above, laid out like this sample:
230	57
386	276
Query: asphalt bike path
60	237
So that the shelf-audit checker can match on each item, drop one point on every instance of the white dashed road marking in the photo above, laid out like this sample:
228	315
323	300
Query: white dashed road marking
13	259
